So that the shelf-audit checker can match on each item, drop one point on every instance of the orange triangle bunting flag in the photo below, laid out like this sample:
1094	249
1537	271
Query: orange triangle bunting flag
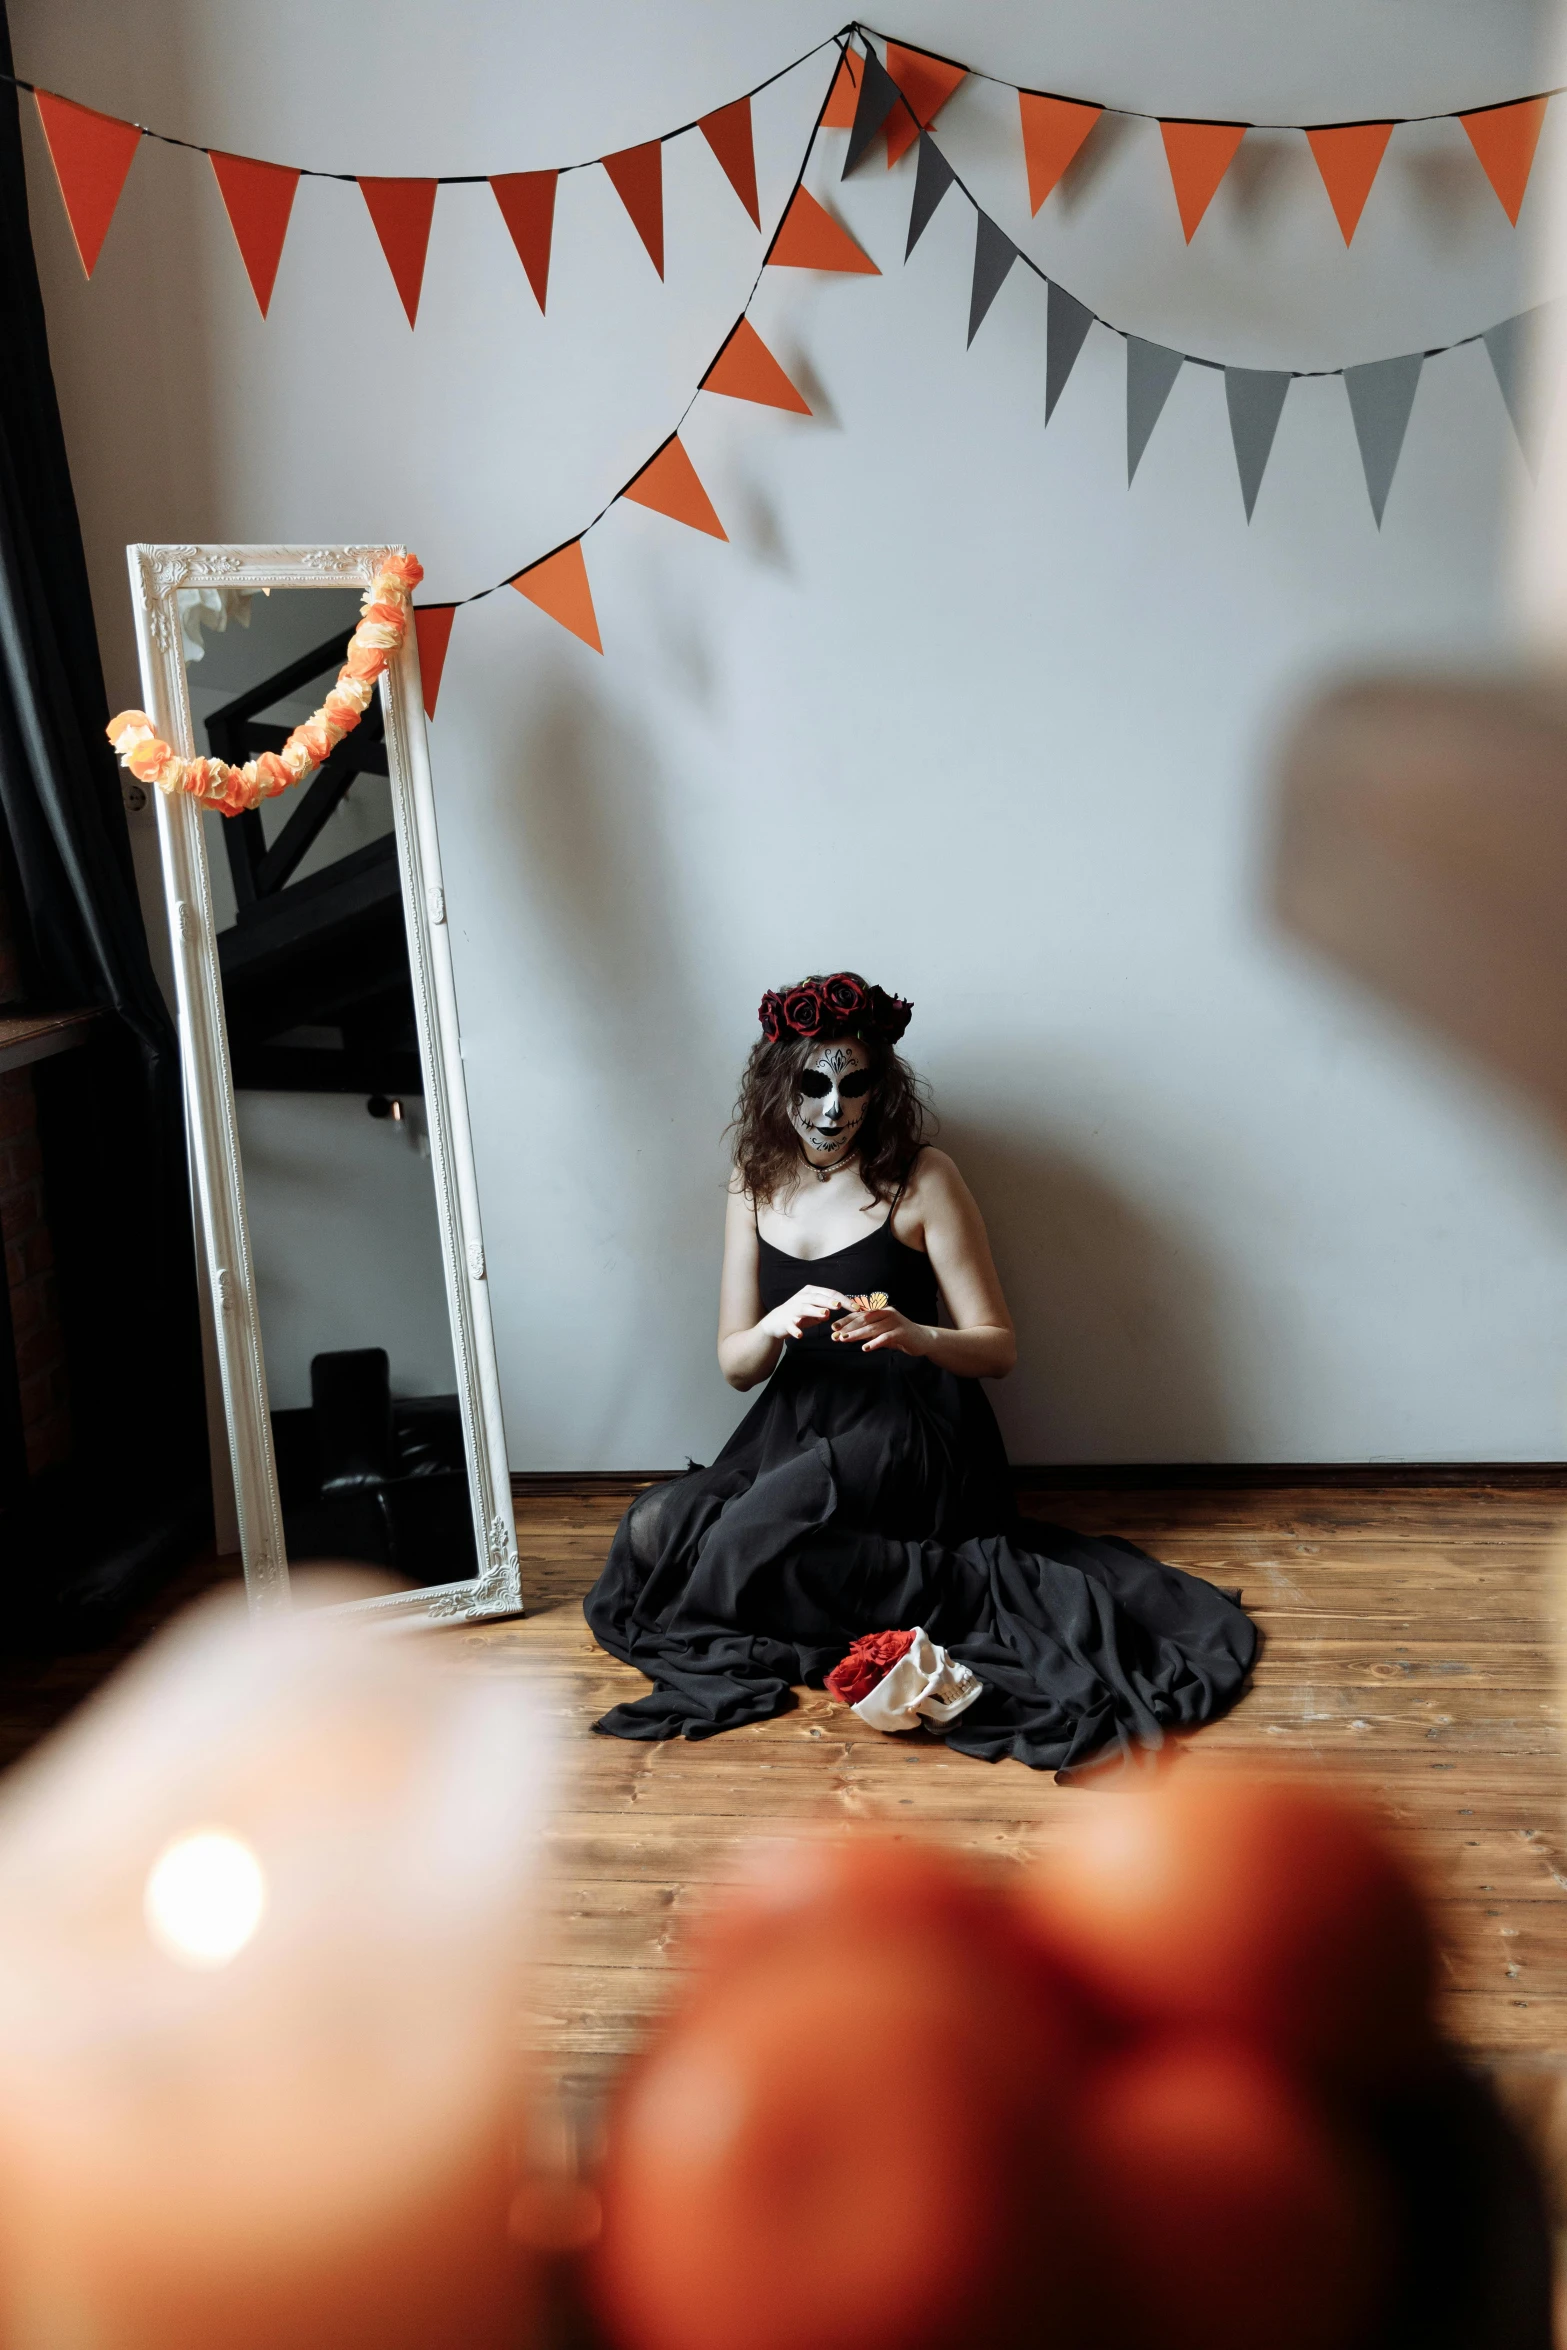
728	133
91	154
402	211
1053	131
1349	156
638	174
527	202
433	633
669	484
927	83
844	96
558	584
258	198
809	238
745	369
1504	138
1199	154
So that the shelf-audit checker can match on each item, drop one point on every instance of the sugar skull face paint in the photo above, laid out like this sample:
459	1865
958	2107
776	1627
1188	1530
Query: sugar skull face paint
834	1092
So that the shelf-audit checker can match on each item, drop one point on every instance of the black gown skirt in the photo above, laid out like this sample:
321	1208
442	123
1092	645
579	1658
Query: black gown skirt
869	1493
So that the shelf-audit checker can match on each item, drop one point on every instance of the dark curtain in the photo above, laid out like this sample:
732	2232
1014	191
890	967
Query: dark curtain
110	1116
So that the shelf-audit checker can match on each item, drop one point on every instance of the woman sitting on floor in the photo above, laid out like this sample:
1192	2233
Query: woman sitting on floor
867	1490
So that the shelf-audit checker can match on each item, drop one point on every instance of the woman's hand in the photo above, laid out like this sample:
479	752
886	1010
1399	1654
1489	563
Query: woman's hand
809	1305
883	1328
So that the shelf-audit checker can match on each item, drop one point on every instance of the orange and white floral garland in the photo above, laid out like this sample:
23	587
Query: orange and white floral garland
386	609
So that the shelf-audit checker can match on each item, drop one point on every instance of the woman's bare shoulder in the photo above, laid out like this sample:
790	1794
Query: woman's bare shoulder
935	1175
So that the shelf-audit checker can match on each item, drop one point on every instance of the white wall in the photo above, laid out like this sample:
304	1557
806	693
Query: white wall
953	707
344	1237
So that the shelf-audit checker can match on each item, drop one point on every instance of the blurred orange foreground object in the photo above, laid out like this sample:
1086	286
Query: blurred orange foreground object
261	1904
885	1883
1231	2211
850	2135
1268	1912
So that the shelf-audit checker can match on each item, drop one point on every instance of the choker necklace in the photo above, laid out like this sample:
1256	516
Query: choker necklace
823	1173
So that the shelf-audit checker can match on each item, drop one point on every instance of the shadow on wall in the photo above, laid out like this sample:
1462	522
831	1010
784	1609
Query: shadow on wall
596	870
594	867
1118	1354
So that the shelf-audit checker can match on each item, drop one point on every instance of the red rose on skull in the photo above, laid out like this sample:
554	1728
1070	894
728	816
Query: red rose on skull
869	1661
770	1014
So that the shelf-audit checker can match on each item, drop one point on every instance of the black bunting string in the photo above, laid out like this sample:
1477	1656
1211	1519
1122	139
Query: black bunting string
450	179
1339	122
1068	318
840	43
1381	392
996	252
464	179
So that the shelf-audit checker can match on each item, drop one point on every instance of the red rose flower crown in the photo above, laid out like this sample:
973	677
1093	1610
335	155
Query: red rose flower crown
843	1004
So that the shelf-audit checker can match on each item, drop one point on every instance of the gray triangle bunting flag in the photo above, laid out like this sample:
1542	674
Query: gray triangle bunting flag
1511	347
879	94
932	179
994	254
1381	395
1151	371
1067	321
1255	396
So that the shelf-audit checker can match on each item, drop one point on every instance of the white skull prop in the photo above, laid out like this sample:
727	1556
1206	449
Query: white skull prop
834	1089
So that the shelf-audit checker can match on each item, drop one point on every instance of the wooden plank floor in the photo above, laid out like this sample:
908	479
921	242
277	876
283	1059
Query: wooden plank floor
1406	1647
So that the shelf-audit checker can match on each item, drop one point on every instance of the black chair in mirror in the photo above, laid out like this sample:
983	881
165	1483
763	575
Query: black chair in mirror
316	986
366	1475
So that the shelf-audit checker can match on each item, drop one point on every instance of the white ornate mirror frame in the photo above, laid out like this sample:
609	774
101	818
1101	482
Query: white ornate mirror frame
157	576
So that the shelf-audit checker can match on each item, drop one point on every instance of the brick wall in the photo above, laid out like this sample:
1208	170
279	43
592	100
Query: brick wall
29	1252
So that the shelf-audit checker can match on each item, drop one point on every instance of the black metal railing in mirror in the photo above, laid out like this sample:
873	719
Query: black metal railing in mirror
316	984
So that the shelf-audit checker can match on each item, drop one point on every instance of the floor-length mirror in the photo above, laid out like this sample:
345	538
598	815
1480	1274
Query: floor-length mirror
336	1204
329	1102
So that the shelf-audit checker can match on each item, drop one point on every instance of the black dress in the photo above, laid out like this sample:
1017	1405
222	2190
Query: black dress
867	1493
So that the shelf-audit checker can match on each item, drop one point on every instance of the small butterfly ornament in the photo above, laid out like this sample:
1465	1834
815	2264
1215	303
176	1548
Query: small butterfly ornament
875	1303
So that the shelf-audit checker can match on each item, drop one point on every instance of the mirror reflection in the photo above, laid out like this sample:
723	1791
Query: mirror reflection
329	1098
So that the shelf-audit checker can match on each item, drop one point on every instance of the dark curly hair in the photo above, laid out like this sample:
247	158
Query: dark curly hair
767	1155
